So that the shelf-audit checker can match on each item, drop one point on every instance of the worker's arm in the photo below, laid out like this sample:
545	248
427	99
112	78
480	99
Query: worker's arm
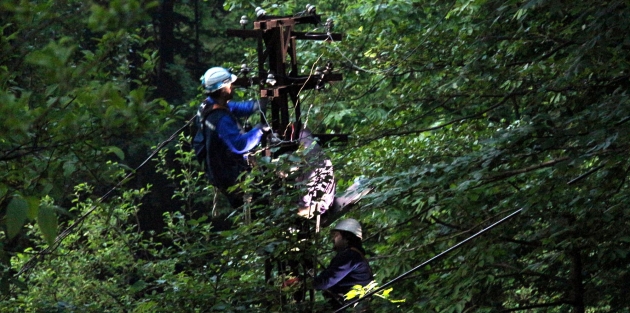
340	266
238	142
243	108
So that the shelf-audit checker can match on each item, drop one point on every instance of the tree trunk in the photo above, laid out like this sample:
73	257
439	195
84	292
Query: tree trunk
166	85
577	286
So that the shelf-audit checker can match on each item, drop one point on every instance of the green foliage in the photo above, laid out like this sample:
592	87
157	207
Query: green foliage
16	216
109	265
68	102
47	220
463	111
361	291
460	112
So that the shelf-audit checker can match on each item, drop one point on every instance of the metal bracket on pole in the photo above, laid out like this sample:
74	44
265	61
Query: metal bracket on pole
277	56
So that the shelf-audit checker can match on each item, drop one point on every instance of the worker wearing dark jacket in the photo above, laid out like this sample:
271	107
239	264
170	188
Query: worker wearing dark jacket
224	141
349	267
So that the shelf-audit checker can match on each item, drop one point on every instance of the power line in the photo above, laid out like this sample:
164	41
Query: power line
435	258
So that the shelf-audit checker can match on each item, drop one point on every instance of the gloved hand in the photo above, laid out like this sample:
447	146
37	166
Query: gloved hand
290	282
275	139
263	127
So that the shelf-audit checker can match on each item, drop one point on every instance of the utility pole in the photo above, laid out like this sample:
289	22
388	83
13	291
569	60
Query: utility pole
279	80
278	77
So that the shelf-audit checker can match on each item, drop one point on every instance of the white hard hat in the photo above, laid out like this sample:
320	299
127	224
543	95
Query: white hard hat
350	225
216	78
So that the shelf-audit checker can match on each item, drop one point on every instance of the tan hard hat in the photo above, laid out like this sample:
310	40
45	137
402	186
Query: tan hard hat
350	225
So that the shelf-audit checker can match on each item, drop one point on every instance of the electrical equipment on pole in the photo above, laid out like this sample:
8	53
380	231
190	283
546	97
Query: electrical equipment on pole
278	77
279	80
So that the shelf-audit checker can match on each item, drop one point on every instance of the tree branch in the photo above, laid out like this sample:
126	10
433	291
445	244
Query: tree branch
520	272
418	131
508	174
534	306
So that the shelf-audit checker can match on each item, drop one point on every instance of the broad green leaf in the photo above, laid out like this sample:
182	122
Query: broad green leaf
351	294
17	211
69	168
117	151
387	291
3	190
33	207
47	222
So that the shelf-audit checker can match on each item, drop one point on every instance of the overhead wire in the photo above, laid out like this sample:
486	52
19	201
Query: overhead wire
427	262
396	62
76	224
353	64
29	265
309	77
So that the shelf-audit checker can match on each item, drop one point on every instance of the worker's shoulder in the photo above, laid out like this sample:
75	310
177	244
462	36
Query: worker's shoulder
220	114
351	253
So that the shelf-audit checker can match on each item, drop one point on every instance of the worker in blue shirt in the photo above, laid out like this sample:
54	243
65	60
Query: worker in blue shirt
221	143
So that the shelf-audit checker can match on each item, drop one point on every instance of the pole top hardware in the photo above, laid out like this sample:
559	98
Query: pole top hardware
276	74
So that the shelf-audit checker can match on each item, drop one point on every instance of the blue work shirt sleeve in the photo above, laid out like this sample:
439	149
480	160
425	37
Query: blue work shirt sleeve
243	108
238	142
